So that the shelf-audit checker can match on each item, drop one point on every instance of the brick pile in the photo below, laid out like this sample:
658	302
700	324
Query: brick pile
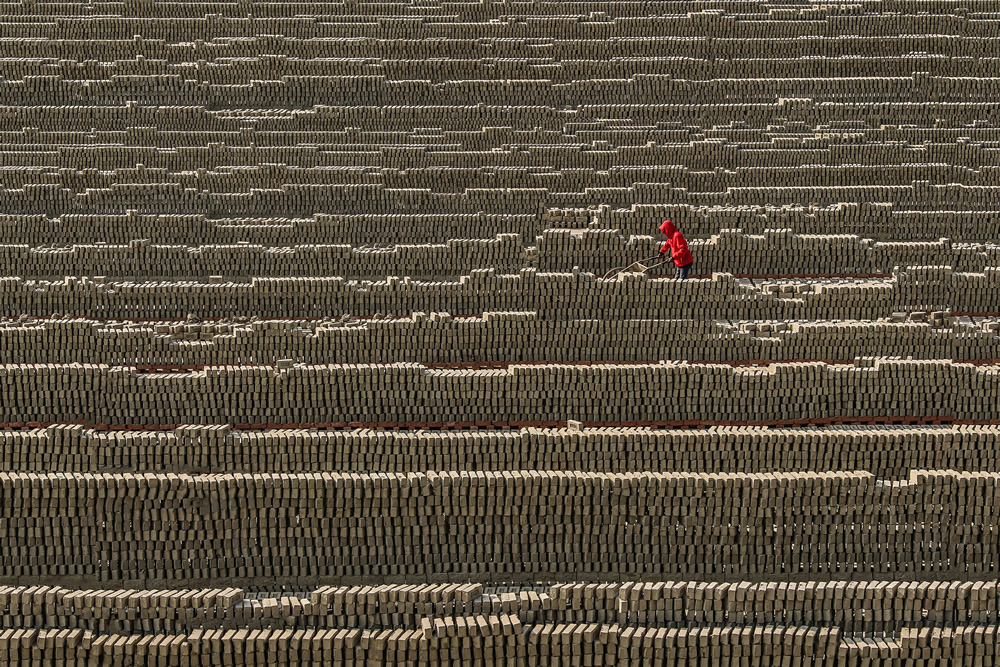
888	452
154	529
407	394
607	624
142	259
774	252
493	338
575	295
880	222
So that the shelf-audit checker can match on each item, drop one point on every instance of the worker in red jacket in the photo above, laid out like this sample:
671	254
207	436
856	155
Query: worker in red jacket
678	250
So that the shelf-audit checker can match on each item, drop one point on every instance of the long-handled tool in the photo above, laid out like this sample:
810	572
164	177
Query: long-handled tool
641	268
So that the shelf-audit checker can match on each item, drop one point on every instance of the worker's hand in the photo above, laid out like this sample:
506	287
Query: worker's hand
662	252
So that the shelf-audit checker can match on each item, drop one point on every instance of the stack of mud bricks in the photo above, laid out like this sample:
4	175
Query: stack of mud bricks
886	452
138	529
410	394
356	229
607	624
574	295
899	234
508	337
141	259
879	221
775	251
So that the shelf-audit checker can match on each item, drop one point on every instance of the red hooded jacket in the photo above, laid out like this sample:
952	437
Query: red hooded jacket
678	246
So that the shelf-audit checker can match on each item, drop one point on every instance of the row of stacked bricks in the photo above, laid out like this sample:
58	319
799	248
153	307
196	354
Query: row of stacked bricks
776	252
491	339
605	624
335	333
411	395
888	452
521	526
558	296
873	232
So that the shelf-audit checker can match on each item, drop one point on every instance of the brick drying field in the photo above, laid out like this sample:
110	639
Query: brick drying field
315	346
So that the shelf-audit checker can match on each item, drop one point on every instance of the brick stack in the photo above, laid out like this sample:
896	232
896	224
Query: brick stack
146	260
493	338
774	252
323	339
152	529
409	395
605	624
888	452
557	296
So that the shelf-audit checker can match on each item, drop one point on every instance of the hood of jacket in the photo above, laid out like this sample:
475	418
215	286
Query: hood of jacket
668	228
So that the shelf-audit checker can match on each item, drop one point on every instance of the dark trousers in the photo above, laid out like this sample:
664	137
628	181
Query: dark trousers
682	272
